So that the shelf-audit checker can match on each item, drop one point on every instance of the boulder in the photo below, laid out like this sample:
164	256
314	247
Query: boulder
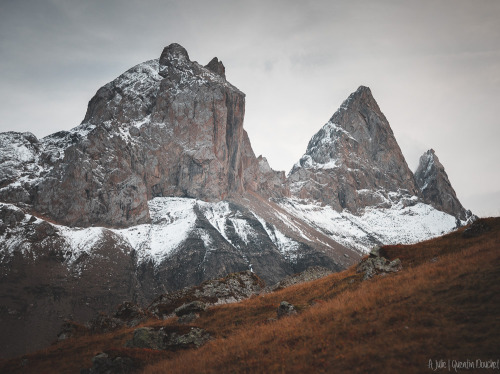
285	309
188	318
376	265
131	314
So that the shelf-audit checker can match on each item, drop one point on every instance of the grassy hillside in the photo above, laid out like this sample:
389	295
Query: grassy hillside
444	304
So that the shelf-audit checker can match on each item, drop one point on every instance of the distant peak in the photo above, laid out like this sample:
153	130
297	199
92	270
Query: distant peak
429	155
217	67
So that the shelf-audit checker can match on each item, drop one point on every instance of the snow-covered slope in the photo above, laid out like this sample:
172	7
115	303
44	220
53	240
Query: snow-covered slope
400	223
178	226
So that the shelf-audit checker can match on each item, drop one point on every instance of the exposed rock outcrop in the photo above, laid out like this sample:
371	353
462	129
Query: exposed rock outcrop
378	265
436	188
43	282
192	307
127	314
232	288
217	67
285	309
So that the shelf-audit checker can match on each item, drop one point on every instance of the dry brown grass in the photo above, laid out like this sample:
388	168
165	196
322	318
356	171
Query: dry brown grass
444	304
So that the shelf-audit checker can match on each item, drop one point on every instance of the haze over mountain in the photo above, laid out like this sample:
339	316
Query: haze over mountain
158	188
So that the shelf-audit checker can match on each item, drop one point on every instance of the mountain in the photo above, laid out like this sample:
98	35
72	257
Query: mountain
436	188
354	161
158	189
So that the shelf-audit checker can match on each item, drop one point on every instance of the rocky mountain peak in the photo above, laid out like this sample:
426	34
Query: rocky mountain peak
355	156
166	127
217	67
173	52
436	188
362	96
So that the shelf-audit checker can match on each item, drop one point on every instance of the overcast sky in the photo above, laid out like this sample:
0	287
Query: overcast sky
432	65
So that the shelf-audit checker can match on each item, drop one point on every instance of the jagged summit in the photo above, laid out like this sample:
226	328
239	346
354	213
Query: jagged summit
362	94
173	52
354	160
217	67
436	188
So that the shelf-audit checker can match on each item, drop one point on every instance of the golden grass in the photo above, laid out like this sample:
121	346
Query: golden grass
444	304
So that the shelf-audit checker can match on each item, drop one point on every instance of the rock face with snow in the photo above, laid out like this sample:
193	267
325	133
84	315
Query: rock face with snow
354	161
436	188
167	127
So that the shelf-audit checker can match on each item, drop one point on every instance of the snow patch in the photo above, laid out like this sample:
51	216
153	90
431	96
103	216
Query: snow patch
398	224
172	221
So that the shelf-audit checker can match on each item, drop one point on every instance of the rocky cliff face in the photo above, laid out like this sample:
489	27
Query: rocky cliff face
436	188
354	161
167	127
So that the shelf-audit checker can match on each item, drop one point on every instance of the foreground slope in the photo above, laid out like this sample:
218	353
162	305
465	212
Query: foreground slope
442	305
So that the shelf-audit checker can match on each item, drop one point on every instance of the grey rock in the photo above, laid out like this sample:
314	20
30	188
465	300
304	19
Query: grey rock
103	323
196	337
285	309
190	143
233	287
217	67
131	314
375	252
189	308
375	265
188	318
146	337
127	314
